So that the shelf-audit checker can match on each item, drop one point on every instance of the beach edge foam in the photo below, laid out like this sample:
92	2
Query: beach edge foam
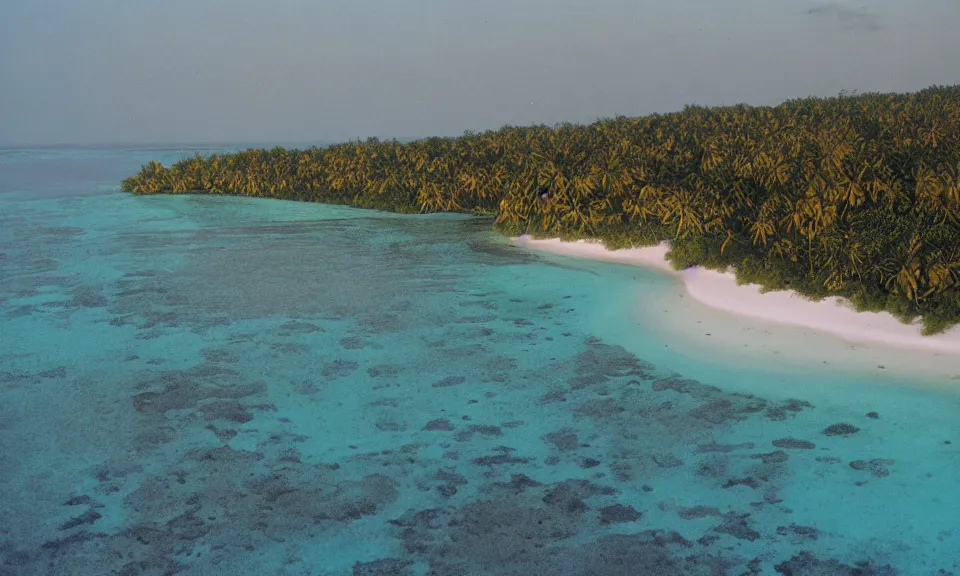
720	291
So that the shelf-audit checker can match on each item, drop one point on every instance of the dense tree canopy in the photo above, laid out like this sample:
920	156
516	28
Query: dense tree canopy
857	196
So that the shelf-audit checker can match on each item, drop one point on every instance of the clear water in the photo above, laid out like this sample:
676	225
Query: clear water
202	385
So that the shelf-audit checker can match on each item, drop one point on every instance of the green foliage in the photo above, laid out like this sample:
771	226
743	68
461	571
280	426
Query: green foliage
854	196
691	251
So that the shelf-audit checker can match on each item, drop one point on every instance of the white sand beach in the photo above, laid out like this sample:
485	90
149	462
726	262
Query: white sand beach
723	316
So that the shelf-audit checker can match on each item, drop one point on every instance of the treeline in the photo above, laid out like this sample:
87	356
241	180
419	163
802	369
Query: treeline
857	196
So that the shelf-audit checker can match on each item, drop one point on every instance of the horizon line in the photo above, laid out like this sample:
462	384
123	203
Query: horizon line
193	144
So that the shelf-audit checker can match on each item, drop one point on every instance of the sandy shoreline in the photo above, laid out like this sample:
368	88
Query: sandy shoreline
830	316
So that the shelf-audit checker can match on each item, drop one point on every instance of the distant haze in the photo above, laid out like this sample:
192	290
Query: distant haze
145	71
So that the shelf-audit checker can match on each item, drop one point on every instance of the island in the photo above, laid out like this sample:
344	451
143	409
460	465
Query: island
855	196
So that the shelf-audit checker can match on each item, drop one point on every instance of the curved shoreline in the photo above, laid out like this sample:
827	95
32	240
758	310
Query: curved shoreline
719	290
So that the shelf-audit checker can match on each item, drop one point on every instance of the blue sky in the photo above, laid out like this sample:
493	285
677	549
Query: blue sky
146	71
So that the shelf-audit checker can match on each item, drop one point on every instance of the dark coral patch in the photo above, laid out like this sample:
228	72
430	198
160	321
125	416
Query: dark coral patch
339	368
715	447
790	407
737	525
618	514
352	343
512	538
385	403
600	362
484	430
448	381
58	373
588	463
87	518
775	457
517	484
228	410
384	567
438	425
600	409
683	385
289	347
876	466
717	411
698	512
842	429
667	460
805	532
82	500
504	456
565	439
185	389
87	297
384	370
450	476
489	535
502	364
714	466
555	395
794	444
805	563
296	327
749	482
570	494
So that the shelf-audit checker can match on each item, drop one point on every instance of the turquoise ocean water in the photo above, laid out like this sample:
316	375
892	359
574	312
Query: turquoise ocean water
215	385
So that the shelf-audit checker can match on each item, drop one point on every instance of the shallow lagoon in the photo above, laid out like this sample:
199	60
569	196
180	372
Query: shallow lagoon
211	385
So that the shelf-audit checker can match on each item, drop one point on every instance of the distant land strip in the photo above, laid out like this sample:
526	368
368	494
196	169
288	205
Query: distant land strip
855	196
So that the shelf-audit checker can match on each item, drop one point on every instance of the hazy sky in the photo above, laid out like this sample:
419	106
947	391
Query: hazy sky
147	71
